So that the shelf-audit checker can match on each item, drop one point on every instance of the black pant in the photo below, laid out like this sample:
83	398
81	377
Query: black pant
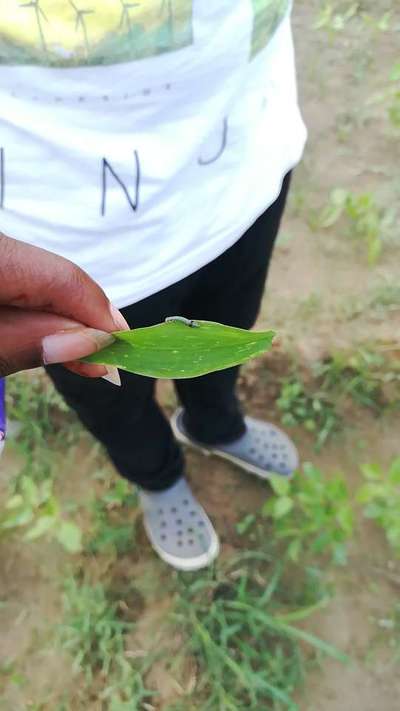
127	420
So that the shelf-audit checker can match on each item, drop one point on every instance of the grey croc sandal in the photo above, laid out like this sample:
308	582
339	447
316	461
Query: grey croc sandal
263	450
178	527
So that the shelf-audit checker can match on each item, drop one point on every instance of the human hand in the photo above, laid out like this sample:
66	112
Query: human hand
51	311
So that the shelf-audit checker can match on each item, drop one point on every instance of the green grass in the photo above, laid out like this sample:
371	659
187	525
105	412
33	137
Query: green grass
44	423
375	302
36	511
94	635
335	16
309	307
389	98
238	621
92	632
311	409
380	497
394	93
108	534
386	296
369	377
318	400
241	626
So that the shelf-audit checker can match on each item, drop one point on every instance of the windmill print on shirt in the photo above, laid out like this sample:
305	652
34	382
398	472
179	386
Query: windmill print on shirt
68	33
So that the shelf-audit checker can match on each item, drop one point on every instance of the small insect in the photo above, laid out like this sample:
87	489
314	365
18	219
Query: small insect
182	319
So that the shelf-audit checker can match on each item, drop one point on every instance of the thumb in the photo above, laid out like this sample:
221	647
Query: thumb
31	338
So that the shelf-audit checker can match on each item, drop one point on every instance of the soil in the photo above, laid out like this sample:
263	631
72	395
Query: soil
351	145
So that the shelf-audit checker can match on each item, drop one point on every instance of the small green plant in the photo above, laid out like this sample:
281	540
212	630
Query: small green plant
368	377
379	299
313	514
118	538
35	508
357	375
382	23
9	674
389	97
33	402
334	17
368	223
310	306
380	496
312	410
108	533
44	423
385	296
394	92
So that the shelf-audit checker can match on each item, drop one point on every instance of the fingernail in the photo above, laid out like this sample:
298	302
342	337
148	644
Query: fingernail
118	319
112	376
73	344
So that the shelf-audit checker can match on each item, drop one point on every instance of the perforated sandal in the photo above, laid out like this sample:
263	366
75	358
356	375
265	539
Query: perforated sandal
263	449
178	527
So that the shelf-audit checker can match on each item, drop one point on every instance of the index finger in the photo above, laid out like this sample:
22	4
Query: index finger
33	278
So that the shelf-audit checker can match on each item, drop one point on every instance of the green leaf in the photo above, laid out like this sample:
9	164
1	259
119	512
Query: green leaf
279	485
333	211
20	518
42	525
30	492
371	471
395	73
282	506
373	510
175	350
345	518
15	502
70	537
243	526
394	471
369	492
294	550
268	507
374	250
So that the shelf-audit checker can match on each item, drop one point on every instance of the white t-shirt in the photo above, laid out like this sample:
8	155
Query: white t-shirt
141	140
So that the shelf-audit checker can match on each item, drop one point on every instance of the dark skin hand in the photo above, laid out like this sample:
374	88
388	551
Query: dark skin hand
51	311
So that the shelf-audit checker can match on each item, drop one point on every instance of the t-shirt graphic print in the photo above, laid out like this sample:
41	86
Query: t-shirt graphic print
64	33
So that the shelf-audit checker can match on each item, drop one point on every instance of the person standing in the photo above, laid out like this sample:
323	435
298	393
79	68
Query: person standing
164	136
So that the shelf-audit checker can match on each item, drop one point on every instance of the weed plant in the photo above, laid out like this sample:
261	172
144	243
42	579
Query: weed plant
241	628
313	514
367	223
94	634
380	496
